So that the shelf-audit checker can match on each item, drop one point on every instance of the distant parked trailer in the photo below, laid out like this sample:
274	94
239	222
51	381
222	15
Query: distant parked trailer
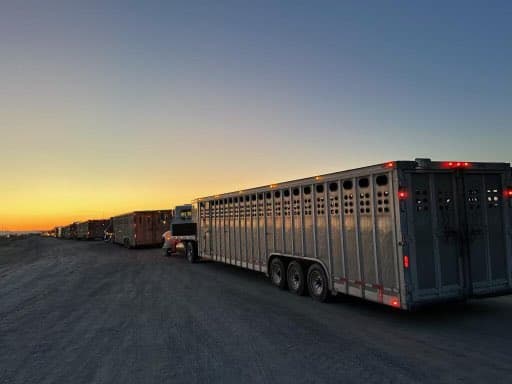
404	233
58	232
91	229
108	233
141	228
65	232
69	231
73	230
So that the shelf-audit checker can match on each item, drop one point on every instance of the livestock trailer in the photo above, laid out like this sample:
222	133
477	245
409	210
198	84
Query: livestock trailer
141	228
65	233
58	232
91	229
402	233
73	230
69	231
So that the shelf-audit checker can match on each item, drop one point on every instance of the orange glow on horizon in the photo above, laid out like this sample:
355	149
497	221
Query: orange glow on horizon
58	203
61	177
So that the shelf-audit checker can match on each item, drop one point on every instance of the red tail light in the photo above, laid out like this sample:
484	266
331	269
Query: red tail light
406	261
456	164
395	302
390	164
508	192
402	194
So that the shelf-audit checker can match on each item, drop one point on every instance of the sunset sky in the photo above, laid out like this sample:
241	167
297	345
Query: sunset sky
107	107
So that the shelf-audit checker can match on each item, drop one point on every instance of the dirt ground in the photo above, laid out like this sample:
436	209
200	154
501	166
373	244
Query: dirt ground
91	312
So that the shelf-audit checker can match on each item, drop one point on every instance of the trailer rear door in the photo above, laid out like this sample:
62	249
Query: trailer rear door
458	233
485	232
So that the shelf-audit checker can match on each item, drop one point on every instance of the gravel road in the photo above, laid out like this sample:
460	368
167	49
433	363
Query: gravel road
90	312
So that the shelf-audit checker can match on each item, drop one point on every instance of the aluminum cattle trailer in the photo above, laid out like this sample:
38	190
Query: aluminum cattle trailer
91	229
402	233
141	228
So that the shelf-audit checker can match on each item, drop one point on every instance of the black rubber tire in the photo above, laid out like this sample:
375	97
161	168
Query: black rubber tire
191	251
126	243
278	273
318	285
296	278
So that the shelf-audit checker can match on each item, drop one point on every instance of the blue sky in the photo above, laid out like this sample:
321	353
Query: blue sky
244	93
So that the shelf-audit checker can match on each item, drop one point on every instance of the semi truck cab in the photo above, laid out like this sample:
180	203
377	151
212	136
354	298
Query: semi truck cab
182	232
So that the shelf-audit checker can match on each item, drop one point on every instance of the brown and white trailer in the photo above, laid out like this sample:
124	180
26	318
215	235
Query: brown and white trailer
141	228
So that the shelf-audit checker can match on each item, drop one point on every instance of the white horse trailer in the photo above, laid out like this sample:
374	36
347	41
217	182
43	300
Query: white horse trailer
402	233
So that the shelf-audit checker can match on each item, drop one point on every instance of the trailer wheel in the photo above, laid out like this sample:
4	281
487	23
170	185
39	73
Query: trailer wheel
126	243
278	273
191	251
296	278
318	285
